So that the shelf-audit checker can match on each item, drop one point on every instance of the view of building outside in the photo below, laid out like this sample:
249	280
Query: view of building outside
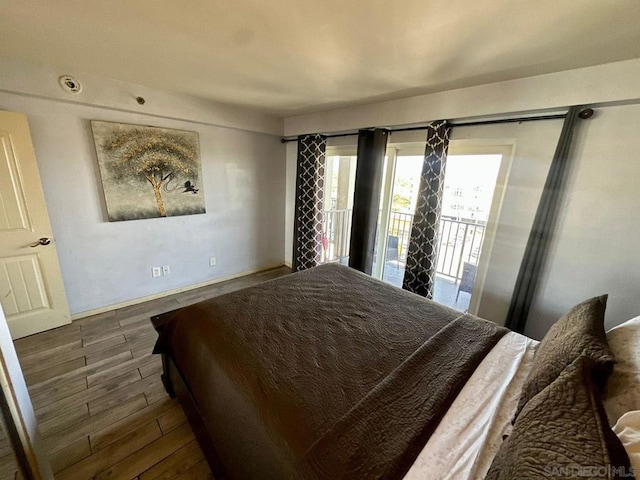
339	182
467	196
406	183
468	187
339	185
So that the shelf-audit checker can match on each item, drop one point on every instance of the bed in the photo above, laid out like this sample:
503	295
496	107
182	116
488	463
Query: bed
331	374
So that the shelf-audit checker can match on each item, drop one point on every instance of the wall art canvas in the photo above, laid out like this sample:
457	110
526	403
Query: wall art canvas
148	172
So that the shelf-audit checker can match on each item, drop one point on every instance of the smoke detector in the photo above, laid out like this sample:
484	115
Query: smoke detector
70	84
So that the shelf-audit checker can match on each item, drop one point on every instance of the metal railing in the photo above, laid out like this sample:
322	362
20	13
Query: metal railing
400	227
459	241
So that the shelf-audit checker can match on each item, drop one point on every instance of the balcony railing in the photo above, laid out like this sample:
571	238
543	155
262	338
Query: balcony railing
337	235
459	241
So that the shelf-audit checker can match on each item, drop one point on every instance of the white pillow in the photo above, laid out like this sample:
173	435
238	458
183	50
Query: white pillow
628	431
623	388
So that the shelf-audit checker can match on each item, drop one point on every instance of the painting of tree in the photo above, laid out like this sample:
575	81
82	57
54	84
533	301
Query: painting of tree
148	171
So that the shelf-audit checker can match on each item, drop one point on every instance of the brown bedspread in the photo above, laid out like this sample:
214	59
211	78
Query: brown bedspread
326	373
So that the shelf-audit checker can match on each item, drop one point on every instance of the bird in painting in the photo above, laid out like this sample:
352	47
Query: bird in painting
188	187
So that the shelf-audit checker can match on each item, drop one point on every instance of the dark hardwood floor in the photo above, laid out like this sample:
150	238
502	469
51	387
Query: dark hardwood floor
99	401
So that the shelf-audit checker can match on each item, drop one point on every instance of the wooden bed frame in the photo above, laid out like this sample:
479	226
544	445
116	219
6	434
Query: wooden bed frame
176	387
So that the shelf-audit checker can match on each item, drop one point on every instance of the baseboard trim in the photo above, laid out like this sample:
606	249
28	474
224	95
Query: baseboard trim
155	296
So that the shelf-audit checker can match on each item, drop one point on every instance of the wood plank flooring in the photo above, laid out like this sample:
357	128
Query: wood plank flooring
99	401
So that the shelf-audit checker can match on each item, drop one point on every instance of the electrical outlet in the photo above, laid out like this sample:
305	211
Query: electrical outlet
166	270
212	261
156	272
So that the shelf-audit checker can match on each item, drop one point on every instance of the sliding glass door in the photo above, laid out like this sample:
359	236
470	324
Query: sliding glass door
339	187
399	197
473	188
472	195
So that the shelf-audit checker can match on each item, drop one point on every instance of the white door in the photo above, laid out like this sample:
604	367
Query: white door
31	289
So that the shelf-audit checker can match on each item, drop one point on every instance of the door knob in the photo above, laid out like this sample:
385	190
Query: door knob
42	241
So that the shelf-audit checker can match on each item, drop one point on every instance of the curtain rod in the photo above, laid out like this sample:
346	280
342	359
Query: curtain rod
586	113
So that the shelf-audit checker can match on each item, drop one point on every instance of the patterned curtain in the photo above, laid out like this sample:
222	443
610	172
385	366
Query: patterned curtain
420	272
307	234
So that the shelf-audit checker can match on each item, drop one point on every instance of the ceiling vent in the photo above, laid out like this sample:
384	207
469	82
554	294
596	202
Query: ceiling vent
70	84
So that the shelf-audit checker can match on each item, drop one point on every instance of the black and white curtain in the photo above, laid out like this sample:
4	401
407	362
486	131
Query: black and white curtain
307	234
419	275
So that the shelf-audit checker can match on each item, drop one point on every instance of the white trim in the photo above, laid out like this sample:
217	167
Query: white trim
410	149
20	410
136	301
341	151
385	217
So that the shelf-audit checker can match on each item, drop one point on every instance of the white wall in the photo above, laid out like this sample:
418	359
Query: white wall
594	250
107	263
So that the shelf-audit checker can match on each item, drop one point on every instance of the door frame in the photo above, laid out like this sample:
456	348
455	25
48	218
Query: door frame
18	417
507	151
385	211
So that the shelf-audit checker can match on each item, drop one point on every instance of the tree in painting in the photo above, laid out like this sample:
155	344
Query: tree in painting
153	157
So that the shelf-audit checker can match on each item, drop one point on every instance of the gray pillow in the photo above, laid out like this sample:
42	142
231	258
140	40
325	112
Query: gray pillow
562	433
578	333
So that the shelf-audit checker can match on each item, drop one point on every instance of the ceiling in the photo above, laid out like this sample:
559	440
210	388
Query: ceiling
288	57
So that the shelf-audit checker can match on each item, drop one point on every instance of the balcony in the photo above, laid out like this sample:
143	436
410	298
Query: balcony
460	243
